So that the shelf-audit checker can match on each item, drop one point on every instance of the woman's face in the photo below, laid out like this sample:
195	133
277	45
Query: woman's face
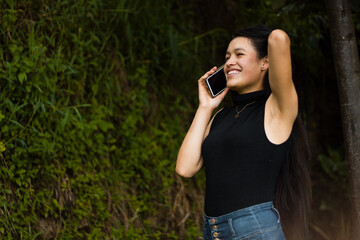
243	69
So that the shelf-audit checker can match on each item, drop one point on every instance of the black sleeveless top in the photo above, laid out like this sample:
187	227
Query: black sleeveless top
241	164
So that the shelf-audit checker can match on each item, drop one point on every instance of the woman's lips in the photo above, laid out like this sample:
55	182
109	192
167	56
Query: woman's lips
233	72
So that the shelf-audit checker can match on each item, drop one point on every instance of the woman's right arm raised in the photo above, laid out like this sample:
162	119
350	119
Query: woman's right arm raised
189	159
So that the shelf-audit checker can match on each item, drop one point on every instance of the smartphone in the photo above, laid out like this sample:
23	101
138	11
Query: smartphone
217	82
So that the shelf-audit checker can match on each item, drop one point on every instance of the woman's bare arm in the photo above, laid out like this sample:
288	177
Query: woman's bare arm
282	105
285	101
189	160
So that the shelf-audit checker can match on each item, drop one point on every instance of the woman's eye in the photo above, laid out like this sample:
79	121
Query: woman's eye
239	54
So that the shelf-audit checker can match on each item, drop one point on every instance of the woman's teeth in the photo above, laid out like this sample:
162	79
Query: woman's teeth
233	72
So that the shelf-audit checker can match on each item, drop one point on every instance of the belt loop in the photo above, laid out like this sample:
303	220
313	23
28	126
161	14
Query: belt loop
231	227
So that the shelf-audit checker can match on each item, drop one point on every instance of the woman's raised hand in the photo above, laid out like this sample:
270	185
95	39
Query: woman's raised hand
189	160
205	98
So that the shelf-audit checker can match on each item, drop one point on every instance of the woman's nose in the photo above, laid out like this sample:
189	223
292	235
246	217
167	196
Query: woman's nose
230	62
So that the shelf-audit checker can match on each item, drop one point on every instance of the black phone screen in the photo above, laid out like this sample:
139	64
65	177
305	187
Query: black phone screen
217	82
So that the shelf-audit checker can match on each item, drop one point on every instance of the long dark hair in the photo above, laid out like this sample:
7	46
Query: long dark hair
293	190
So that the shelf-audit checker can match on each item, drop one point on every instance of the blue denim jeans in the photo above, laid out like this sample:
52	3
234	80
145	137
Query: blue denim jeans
261	221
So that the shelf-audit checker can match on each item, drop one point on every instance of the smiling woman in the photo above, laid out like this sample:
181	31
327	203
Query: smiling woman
243	67
256	173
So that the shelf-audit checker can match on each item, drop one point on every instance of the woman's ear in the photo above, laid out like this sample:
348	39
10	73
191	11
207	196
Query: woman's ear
265	64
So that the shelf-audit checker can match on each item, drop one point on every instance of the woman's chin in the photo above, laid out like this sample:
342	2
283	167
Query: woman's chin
232	86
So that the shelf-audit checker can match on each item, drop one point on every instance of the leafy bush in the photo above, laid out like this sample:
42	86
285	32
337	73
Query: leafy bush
91	120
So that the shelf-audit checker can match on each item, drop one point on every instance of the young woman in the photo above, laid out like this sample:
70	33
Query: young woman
254	152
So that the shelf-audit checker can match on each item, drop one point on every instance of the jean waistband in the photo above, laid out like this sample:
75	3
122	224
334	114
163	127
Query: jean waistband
242	211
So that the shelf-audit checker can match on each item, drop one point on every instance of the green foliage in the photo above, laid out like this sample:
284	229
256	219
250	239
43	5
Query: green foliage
87	146
337	180
335	165
333	207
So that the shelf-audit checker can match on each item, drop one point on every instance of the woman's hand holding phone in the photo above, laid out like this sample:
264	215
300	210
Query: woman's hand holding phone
189	160
205	98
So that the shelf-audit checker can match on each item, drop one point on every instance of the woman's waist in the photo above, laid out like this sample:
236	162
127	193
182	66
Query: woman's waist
250	210
221	200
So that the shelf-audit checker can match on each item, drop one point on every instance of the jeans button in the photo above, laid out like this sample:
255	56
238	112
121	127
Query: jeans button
216	234
214	227
212	220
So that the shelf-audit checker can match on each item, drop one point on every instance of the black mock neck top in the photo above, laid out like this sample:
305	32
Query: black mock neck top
241	165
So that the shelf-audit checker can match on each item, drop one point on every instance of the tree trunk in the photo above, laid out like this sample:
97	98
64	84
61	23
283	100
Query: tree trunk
346	60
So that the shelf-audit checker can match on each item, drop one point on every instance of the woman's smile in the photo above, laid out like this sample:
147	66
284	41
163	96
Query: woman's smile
231	72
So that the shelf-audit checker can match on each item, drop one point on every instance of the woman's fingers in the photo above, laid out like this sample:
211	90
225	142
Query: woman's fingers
207	74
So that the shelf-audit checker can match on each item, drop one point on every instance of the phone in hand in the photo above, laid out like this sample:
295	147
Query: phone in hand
217	82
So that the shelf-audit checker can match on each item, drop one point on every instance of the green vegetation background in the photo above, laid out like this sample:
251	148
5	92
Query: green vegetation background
96	97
